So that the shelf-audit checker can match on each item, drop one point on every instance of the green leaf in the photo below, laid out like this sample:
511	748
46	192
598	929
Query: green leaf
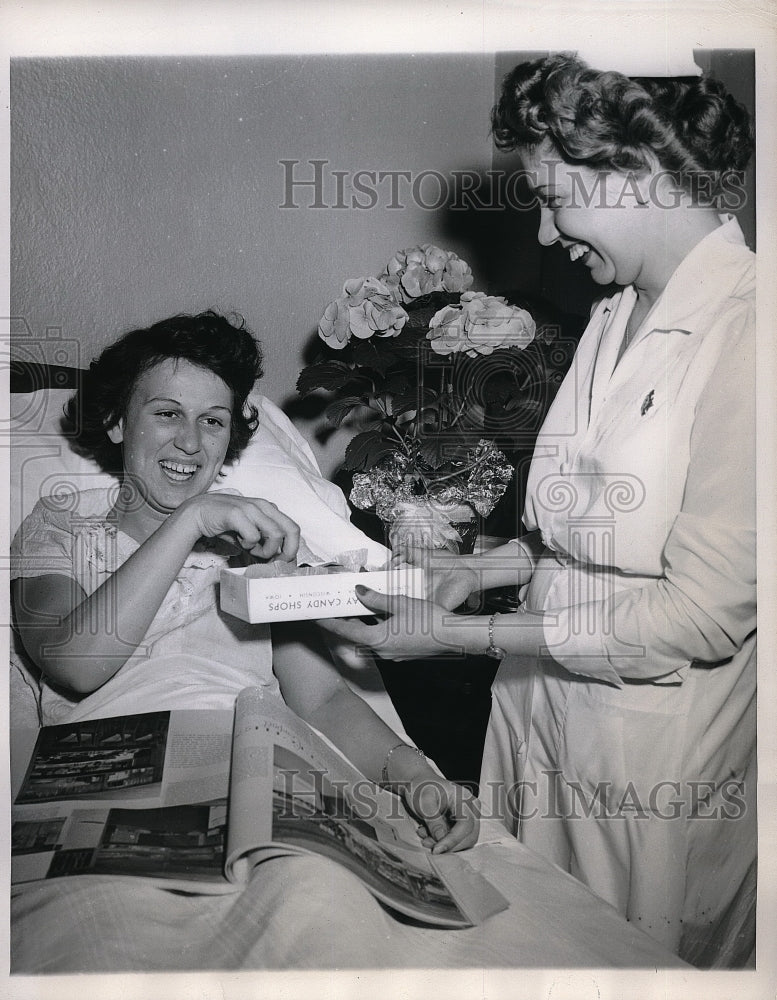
399	383
336	412
365	450
366	355
421	310
434	453
359	384
418	398
323	375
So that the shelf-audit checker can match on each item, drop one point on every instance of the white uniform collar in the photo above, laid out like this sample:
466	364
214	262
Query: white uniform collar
710	272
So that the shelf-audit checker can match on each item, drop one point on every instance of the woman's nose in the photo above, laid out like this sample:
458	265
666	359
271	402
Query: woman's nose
187	438
547	232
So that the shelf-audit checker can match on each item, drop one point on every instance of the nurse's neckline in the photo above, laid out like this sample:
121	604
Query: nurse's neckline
640	310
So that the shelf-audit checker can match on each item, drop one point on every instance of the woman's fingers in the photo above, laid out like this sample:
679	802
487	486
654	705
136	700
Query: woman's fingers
278	534
258	524
427	804
380	603
356	631
258	533
410	629
412	555
464	817
410	610
449	582
449	814
461	836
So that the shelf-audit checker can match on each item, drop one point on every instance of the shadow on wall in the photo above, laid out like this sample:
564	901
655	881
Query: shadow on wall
495	222
496	219
491	219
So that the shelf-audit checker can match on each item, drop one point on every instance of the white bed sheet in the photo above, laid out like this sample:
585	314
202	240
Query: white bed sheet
303	912
309	913
296	913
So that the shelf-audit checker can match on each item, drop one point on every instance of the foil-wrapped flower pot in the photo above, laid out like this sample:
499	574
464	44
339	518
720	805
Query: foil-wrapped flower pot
428	524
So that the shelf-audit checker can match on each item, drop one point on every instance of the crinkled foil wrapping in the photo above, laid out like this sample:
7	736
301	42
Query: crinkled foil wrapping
386	486
489	480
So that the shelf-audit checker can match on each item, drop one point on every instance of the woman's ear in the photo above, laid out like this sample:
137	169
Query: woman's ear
116	433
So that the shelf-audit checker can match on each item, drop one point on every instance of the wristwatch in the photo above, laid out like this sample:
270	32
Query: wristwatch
492	649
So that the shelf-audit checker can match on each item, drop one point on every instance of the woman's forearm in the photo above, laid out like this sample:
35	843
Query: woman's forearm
521	633
356	731
312	687
503	566
93	639
510	563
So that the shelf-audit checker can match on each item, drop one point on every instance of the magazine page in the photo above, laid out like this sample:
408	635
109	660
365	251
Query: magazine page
140	795
321	803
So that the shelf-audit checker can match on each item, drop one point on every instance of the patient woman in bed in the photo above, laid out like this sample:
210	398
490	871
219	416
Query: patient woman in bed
115	590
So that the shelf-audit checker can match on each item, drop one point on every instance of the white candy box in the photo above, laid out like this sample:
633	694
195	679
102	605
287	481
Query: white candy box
320	592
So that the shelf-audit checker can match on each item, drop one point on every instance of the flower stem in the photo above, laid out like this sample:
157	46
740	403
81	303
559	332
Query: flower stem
392	426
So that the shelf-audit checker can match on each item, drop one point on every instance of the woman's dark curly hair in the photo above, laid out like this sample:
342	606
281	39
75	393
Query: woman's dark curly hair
606	120
226	348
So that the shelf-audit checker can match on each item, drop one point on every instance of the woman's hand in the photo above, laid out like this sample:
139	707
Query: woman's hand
257	525
450	581
452	586
448	814
413	628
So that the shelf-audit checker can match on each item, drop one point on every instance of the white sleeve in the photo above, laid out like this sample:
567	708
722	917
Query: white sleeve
703	608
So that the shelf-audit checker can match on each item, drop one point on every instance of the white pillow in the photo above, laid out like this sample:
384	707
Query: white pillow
277	465
41	461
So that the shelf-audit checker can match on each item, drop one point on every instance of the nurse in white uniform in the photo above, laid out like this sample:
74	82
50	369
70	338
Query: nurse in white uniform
622	737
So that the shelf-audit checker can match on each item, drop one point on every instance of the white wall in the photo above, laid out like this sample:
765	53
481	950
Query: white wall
141	187
144	187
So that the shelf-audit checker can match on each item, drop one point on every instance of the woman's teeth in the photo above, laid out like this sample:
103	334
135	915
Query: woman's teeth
178	471
578	250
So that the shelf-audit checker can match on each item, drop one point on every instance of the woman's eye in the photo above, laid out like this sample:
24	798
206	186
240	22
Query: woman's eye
214	422
166	413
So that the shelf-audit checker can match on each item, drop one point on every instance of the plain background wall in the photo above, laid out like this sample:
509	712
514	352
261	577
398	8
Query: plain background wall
145	187
141	187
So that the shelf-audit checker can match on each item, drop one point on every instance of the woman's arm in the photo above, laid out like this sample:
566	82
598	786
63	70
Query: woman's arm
511	563
416	629
79	642
313	688
702	609
451	578
426	628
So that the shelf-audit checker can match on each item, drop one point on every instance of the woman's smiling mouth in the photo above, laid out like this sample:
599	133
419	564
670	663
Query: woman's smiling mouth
178	472
578	250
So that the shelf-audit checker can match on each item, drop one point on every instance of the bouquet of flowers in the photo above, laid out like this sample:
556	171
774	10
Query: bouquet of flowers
423	366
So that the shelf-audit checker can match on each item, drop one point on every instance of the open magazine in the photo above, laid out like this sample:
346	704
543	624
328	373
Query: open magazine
202	797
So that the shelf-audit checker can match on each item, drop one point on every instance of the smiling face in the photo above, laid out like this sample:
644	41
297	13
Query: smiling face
175	433
599	217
